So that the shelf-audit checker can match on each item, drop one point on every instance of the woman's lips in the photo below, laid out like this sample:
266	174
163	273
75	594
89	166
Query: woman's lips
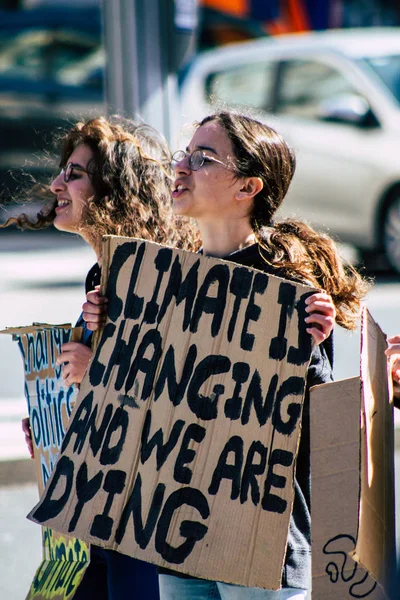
62	205
178	190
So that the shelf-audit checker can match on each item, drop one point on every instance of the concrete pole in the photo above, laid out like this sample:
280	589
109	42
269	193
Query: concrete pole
146	42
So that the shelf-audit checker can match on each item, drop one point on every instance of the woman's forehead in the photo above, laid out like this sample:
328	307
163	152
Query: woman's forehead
82	154
212	135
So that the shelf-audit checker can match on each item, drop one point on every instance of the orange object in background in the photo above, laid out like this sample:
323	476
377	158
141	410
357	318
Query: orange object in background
297	15
230	35
239	8
293	19
276	28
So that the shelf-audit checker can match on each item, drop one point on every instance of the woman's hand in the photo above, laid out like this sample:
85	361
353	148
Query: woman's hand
393	354
321	316
76	358
95	310
26	428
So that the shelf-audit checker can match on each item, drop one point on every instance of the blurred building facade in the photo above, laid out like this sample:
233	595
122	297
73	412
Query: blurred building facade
225	21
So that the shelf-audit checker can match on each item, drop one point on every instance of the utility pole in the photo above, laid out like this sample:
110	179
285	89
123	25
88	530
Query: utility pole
146	43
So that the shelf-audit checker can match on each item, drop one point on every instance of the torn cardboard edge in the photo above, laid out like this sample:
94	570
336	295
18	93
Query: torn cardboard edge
22	329
49	346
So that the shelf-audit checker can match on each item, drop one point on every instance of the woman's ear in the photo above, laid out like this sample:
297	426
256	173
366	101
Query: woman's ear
250	187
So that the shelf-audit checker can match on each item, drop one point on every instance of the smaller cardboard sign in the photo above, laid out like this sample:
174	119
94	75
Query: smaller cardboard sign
182	445
49	400
376	544
352	480
49	406
335	493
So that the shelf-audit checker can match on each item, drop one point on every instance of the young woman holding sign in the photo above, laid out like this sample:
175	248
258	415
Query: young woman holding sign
115	179
231	179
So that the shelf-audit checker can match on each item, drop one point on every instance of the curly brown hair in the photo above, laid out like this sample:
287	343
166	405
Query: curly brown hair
291	246
131	175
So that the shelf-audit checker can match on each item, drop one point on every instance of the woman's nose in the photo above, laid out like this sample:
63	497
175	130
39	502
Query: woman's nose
58	183
183	165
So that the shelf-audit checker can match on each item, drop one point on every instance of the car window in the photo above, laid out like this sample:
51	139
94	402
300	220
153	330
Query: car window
388	69
304	85
246	85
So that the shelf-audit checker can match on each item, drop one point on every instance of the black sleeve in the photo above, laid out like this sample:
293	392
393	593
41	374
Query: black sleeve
320	368
319	371
92	279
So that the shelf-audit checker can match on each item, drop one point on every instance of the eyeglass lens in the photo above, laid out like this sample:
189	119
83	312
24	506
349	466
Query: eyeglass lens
67	172
196	158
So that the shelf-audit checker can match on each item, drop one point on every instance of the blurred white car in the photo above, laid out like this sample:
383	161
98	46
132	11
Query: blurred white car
335	97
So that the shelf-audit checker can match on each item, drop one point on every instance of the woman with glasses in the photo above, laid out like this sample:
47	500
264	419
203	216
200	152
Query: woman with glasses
115	179
231	179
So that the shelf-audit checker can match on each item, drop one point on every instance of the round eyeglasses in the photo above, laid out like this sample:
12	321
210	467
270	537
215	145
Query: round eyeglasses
69	171
197	159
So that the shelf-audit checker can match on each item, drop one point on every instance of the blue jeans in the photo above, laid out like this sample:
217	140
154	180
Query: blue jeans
115	576
177	588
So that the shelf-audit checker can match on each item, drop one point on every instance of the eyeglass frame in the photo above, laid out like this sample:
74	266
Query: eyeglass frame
67	170
204	158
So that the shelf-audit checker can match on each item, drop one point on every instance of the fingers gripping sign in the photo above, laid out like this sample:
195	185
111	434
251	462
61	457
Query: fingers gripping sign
322	316
95	310
75	358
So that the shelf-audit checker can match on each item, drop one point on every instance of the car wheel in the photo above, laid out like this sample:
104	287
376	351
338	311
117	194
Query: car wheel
391	232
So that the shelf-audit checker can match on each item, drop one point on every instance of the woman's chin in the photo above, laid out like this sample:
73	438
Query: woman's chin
63	225
58	224
181	208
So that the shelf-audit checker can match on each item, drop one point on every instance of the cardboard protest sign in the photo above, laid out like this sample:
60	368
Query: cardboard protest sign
335	492
182	445
49	406
376	545
339	463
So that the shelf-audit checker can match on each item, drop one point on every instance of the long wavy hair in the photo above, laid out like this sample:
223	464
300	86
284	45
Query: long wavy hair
291	246
131	175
